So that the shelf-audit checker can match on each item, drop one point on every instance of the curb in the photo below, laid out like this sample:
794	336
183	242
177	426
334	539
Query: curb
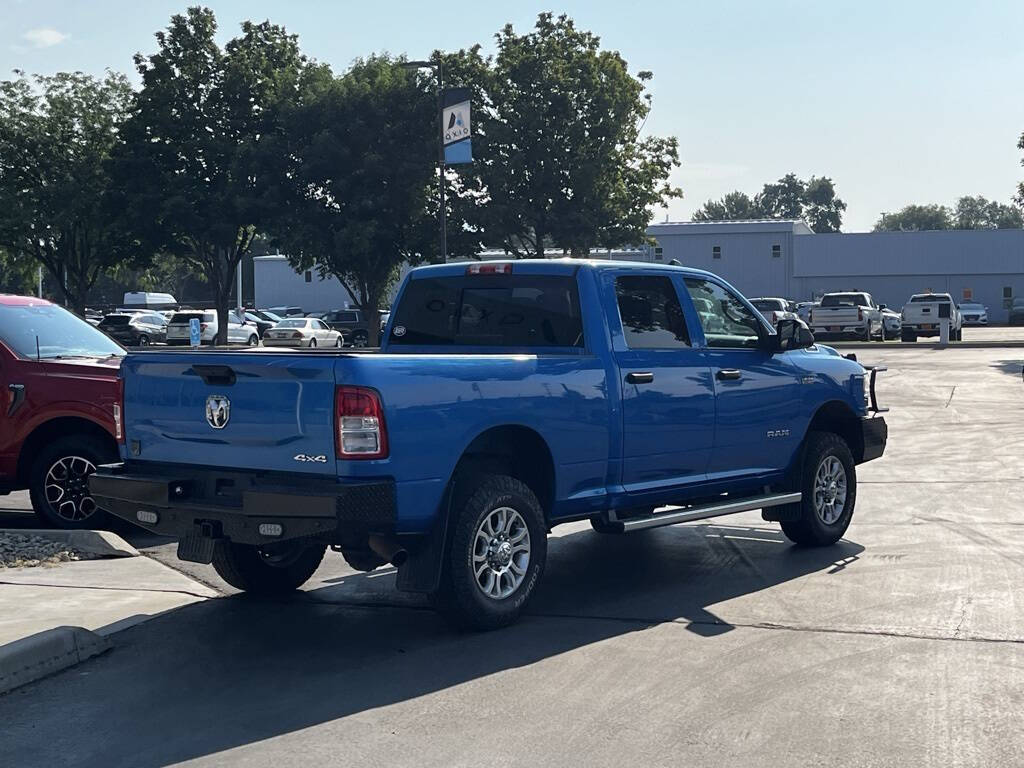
44	653
102	543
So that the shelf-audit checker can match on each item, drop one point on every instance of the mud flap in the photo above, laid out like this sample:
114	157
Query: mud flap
197	547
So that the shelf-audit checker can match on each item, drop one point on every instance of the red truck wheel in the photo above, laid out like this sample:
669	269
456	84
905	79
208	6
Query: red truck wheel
59	481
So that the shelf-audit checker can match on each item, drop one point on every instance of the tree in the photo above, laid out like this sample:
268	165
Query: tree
17	273
1020	187
56	136
979	213
790	197
364	154
782	200
913	218
559	157
201	166
734	206
822	210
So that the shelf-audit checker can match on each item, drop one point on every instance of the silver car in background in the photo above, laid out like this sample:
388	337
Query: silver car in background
302	332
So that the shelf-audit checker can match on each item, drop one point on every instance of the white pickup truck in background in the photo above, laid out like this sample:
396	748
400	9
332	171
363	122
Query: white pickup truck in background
921	316
850	314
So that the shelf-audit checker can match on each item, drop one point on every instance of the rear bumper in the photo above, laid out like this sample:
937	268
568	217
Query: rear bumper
230	504
875	434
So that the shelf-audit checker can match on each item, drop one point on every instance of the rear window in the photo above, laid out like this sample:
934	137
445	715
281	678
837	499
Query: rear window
489	311
293	323
768	305
111	321
844	300
928	297
186	317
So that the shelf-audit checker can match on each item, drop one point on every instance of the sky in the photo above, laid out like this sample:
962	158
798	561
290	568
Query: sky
898	102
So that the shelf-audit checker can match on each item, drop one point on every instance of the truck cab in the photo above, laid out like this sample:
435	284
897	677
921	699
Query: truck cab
506	399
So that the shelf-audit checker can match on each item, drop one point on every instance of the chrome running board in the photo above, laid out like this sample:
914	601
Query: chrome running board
688	514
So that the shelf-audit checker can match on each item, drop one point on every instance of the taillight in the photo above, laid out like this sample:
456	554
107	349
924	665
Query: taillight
296	335
860	315
361	432
489	269
118	409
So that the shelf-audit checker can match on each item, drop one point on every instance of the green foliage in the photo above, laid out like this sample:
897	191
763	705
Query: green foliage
201	166
1019	199
559	157
734	206
979	213
18	273
790	197
969	213
363	148
56	137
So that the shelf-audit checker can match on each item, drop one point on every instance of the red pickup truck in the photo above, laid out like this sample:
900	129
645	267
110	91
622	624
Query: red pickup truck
58	394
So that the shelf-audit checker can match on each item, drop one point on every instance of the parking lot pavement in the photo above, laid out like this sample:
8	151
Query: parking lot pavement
716	644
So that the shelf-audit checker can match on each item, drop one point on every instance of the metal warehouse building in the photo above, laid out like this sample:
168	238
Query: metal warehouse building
773	258
787	259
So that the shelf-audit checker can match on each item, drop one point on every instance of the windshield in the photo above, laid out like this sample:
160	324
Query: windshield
57	332
270	316
292	324
844	300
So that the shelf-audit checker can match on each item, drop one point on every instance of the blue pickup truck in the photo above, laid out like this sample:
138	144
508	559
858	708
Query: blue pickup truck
506	398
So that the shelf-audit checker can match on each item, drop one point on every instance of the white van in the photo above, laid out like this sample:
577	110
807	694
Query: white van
147	300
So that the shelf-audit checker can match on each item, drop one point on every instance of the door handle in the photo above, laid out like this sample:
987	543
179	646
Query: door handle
728	374
639	378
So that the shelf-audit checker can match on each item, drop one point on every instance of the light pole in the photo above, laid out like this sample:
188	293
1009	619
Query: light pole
438	67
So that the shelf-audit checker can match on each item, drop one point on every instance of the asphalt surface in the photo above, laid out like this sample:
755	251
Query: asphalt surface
712	644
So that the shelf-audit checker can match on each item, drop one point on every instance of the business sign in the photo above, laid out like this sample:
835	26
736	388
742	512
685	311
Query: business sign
455	125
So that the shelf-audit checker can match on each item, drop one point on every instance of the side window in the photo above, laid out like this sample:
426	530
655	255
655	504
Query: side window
652	317
725	319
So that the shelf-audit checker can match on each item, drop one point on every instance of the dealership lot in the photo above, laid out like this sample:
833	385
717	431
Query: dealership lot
715	643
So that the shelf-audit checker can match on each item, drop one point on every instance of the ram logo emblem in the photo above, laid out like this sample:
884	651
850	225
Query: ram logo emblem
778	433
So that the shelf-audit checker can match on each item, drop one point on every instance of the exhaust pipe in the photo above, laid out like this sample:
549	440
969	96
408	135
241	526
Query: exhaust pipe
388	549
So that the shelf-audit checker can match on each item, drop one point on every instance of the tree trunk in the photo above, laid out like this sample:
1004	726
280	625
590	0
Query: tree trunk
370	306
223	297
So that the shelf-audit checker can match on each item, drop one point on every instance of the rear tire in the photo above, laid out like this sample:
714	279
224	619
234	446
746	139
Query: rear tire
312	343
272	570
828	482
58	481
254	340
340	343
496	553
360	339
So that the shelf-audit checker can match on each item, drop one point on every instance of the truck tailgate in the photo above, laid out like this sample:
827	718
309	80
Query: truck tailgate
277	410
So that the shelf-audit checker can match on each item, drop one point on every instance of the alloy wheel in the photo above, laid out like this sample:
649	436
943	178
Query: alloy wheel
830	488
501	553
67	488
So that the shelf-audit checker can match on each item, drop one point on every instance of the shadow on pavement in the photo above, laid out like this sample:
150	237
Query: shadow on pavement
1012	367
234	671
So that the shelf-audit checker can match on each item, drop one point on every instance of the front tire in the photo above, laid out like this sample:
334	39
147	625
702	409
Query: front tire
58	481
828	482
143	341
496	555
312	343
254	340
360	340
275	569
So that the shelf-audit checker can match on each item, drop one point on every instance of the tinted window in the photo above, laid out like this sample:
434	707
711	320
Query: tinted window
725	319
652	317
768	305
485	310
51	331
844	300
183	318
921	298
348	317
111	321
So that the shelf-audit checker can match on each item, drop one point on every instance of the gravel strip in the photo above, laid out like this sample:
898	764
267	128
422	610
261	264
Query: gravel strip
25	551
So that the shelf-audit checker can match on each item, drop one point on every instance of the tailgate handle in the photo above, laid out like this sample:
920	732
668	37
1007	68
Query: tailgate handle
215	375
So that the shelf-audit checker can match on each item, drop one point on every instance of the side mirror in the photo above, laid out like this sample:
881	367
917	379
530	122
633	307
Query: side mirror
792	334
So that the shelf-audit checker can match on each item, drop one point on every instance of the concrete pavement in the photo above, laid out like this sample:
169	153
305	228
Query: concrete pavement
715	644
